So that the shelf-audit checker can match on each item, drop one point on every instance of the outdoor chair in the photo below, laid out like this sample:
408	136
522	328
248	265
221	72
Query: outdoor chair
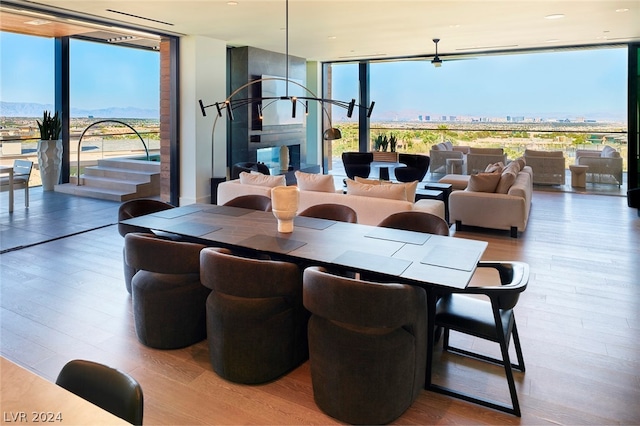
490	319
367	363
108	388
21	174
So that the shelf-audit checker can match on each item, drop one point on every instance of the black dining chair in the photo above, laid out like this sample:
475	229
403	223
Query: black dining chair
367	346
129	210
108	388
416	167
357	164
416	221
168	298
251	201
330	211
490	318
256	324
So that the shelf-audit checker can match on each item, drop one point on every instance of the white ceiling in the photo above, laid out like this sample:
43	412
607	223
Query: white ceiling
342	30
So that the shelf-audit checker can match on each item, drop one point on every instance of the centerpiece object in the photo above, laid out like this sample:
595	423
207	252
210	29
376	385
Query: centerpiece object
50	150
284	205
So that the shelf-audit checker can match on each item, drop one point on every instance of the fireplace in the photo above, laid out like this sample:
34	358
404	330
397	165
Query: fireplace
271	158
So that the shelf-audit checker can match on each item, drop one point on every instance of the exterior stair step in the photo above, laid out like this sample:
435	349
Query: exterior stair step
116	179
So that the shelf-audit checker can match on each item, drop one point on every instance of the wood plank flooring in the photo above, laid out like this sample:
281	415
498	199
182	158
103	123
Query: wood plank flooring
579	323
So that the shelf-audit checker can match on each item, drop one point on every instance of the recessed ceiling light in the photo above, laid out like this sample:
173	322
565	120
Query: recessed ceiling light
553	40
332	37
454	26
554	16
622	10
232	3
38	22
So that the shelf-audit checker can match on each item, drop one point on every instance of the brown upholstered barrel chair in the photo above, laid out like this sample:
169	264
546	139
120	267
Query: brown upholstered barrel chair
129	210
256	324
108	388
416	221
329	211
251	201
367	346
169	302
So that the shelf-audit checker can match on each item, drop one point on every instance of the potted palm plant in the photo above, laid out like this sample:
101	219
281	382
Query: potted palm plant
50	150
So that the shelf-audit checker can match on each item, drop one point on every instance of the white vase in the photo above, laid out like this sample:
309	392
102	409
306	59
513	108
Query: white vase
284	157
284	205
50	162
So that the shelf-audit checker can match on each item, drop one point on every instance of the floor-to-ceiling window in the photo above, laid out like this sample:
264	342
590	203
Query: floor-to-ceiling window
560	100
27	87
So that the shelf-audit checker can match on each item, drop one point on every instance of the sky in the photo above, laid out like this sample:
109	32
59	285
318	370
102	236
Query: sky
581	83
102	76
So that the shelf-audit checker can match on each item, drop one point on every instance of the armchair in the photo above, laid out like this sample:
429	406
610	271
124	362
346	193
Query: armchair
603	165
479	158
548	166
441	152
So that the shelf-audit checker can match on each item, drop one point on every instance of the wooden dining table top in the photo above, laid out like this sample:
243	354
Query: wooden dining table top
27	398
411	257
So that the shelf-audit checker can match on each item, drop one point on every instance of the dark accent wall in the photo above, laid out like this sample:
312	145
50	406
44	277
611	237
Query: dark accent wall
246	133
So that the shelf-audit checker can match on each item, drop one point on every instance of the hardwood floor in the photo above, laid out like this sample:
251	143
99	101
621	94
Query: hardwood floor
579	324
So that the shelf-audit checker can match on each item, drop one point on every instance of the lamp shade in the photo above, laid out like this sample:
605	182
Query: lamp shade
332	134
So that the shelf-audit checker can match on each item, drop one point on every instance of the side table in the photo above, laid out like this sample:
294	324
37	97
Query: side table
578	175
446	189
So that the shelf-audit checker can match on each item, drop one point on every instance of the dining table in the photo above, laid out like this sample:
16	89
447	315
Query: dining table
27	398
433	262
8	170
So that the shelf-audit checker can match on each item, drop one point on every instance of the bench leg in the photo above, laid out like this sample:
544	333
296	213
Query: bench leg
514	232
458	225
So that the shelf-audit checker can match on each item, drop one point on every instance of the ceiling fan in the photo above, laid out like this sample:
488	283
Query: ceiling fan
436	61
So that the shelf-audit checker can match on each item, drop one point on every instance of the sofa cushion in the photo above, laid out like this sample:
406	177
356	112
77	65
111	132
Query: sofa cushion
483	182
507	178
486	151
315	182
262	180
609	152
392	192
410	187
495	167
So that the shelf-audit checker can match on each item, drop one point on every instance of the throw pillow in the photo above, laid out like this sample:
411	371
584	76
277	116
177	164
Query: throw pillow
315	182
371	181
392	192
262	180
410	187
521	162
507	178
495	168
483	182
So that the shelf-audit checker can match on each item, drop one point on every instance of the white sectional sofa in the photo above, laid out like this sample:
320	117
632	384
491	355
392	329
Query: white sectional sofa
496	204
371	210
